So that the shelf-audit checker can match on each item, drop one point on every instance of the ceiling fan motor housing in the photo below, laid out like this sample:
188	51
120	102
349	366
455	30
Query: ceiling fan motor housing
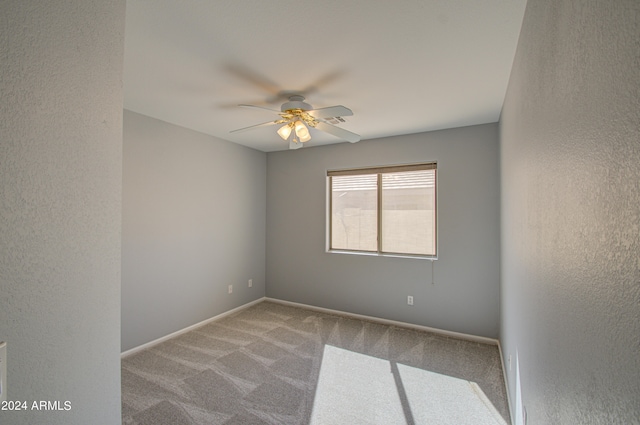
295	102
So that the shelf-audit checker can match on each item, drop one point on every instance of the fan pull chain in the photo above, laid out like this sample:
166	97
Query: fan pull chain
433	282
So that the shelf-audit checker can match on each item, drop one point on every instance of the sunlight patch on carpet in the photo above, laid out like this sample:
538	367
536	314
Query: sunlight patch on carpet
354	388
441	399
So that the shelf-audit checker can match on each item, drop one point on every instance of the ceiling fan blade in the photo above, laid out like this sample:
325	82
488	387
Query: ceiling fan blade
331	111
251	127
260	107
338	132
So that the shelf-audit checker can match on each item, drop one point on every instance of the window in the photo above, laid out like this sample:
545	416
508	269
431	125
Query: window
384	210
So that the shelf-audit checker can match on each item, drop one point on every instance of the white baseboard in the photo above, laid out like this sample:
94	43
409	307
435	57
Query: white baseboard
474	338
506	382
189	328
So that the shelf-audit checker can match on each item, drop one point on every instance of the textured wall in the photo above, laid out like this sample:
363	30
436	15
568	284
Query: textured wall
570	143
193	222
465	296
60	190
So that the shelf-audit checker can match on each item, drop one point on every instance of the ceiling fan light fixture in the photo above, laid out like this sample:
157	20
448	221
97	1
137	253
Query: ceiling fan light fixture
305	138
285	131
302	131
296	118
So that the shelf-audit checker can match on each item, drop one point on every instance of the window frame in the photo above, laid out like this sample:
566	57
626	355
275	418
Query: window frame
379	171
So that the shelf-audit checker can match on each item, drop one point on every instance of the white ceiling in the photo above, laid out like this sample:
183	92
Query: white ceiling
404	66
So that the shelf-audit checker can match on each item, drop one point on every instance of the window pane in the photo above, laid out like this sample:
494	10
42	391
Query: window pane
354	212
408	212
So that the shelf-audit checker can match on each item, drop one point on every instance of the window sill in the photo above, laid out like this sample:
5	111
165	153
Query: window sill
378	254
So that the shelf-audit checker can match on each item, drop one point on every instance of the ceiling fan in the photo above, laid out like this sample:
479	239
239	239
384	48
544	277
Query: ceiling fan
296	116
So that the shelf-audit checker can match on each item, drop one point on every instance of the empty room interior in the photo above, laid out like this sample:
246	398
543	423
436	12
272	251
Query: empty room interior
356	212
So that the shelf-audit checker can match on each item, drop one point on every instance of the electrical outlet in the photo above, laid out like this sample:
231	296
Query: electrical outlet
3	371
231	289
250	283
410	300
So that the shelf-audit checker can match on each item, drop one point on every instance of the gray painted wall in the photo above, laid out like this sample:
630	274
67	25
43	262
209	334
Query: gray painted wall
193	223
465	296
60	222
570	142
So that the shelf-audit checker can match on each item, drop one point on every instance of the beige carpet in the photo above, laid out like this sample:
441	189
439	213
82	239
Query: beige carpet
275	364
